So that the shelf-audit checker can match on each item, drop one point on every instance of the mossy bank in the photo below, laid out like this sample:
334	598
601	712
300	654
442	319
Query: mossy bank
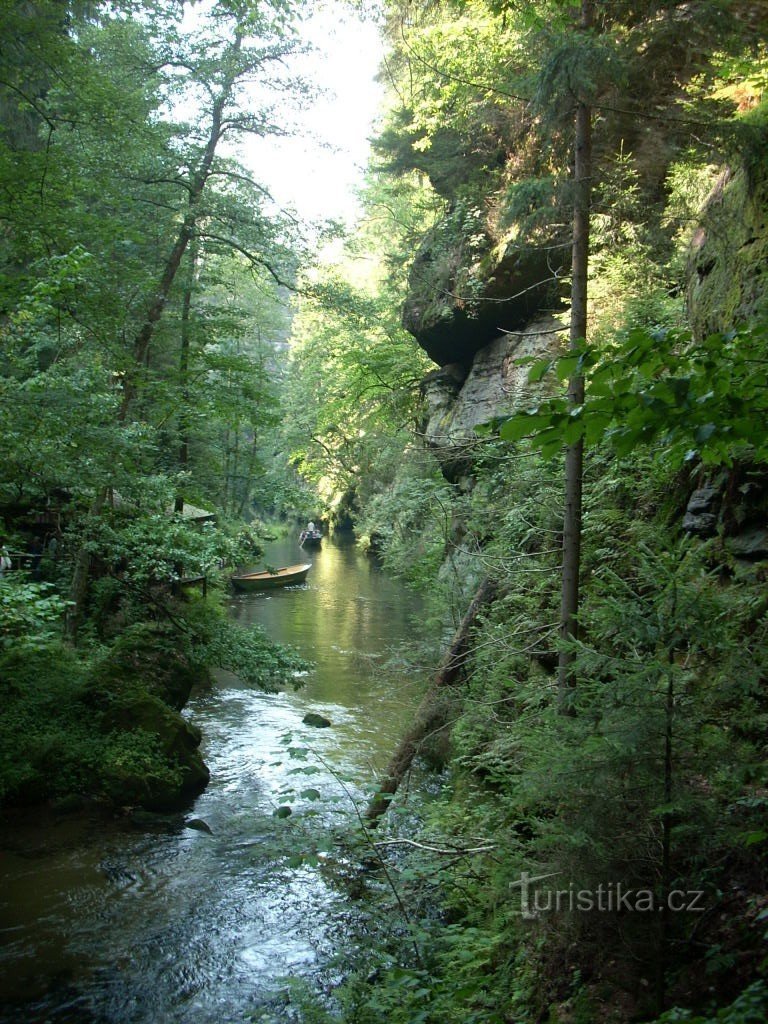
103	728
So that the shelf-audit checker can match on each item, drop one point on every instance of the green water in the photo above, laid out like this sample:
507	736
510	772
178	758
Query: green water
150	921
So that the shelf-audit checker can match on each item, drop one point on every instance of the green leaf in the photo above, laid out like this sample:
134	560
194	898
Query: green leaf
517	427
539	370
753	838
551	442
567	366
573	431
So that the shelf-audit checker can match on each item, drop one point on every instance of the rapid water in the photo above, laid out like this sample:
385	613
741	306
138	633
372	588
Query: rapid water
146	920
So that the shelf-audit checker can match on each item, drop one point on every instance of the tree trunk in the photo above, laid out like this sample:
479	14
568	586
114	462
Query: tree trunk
248	477
574	459
145	334
78	591
666	820
235	467
425	719
186	308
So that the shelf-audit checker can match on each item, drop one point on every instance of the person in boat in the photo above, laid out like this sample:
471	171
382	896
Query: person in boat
308	532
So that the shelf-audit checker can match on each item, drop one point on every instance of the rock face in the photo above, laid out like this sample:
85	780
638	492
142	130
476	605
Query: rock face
728	263
496	384
461	301
701	514
728	285
752	544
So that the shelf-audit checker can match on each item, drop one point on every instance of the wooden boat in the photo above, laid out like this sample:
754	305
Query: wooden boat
267	579
311	539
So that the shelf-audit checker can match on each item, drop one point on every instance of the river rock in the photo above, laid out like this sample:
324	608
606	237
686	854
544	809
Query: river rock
155	763
198	825
155	820
316	721
148	654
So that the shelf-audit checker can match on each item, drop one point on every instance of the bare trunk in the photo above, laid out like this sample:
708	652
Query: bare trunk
186	309
666	824
248	476
425	719
78	591
574	459
145	334
235	468
186	231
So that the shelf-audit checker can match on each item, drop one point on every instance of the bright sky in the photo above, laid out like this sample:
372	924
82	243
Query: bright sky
317	172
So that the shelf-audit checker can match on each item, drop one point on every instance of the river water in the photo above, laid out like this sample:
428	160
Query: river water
146	920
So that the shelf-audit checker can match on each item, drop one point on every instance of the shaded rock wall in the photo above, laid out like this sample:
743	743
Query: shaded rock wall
457	401
466	288
728	263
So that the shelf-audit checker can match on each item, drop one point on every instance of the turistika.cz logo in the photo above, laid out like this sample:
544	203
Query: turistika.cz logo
608	897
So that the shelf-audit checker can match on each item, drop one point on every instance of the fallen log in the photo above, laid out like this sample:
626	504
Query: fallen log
425	719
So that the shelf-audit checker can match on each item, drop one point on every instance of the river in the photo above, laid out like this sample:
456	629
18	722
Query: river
146	920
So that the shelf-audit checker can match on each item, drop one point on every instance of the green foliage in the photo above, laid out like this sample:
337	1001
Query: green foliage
583	796
215	641
139	276
409	523
672	650
30	613
352	391
106	726
748	1008
696	400
44	741
670	645
136	755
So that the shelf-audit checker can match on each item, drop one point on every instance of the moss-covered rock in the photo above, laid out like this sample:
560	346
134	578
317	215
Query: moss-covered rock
467	287
152	757
110	730
148	656
316	721
728	264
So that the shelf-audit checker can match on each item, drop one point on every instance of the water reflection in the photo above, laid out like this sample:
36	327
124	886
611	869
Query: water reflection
150	921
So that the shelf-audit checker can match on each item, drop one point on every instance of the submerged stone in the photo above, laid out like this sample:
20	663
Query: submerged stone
199	825
315	720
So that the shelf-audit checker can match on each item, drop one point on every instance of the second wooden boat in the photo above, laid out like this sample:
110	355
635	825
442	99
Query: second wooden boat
311	539
267	579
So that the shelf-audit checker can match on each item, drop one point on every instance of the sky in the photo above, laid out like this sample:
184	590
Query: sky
317	171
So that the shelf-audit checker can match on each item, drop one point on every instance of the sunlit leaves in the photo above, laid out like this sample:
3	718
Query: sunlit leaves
705	399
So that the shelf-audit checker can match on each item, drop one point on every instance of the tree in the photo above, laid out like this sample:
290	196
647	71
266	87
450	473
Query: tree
574	459
90	277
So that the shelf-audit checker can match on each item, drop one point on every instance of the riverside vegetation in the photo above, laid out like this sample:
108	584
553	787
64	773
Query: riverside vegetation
598	167
643	762
142	320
